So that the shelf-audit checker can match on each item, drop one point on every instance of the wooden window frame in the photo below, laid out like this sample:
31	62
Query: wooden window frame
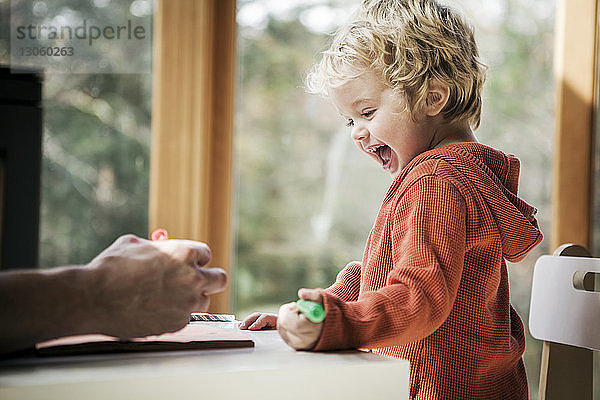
192	126
575	84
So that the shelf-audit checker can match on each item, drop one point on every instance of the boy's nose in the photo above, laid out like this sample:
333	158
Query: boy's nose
359	133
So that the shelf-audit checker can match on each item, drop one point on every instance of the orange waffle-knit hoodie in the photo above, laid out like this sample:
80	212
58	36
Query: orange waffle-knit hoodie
433	285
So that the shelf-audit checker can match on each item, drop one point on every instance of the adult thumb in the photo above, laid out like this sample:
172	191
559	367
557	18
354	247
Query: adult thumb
214	279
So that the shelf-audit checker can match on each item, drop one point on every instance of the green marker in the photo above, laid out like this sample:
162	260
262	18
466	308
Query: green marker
313	311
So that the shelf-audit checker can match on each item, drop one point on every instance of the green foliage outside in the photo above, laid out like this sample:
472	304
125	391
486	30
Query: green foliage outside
96	143
95	166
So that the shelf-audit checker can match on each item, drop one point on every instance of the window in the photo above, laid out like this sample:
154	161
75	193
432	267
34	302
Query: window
305	197
96	137
95	164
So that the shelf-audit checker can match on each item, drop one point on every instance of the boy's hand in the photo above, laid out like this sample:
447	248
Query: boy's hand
294	328
257	321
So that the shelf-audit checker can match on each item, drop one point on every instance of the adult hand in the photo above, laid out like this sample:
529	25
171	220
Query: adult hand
143	287
294	328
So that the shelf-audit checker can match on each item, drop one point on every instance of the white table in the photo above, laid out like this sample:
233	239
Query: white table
271	370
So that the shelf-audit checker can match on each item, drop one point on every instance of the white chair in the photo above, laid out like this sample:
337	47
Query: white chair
565	314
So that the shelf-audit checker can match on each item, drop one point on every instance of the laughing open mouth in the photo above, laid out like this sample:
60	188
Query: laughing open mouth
383	151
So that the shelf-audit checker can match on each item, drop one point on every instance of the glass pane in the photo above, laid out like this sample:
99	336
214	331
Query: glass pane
95	166
306	198
96	134
299	176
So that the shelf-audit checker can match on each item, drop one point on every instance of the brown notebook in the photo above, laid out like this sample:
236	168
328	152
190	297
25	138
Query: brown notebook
192	337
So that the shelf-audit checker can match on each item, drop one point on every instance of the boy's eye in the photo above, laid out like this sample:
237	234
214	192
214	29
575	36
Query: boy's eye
350	123
367	114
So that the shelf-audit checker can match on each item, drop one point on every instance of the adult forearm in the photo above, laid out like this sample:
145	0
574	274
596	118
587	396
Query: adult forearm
134	288
37	305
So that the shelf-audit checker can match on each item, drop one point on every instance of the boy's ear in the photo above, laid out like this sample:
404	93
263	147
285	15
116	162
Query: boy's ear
437	97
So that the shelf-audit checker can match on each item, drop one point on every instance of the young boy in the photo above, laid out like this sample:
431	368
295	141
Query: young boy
433	284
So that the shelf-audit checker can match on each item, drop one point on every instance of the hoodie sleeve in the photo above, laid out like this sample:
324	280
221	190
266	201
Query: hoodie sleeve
347	283
428	246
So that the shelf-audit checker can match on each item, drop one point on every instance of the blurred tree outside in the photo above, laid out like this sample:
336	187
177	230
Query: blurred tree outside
96	140
96	166
306	198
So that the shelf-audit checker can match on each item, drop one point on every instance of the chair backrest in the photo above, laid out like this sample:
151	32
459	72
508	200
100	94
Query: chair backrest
565	314
562	310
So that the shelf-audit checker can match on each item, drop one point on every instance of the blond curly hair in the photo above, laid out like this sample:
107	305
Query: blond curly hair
410	42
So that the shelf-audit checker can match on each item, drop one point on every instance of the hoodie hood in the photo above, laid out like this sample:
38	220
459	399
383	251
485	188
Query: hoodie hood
495	176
